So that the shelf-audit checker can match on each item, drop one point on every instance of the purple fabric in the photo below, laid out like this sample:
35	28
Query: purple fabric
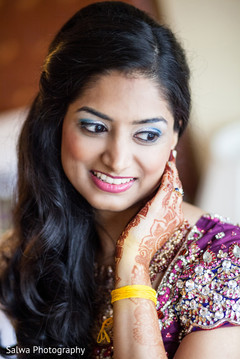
201	287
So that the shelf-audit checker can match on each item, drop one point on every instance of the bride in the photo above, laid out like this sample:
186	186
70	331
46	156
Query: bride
104	254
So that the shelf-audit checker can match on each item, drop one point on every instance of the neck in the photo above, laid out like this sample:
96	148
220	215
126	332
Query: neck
109	227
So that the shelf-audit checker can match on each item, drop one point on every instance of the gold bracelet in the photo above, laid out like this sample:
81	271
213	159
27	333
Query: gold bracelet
134	291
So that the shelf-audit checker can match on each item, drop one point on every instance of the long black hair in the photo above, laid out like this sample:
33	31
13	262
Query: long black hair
47	288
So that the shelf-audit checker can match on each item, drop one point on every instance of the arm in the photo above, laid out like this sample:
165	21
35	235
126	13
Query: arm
219	343
136	328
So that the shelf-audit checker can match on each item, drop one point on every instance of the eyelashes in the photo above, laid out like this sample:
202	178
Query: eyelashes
148	135
143	136
93	126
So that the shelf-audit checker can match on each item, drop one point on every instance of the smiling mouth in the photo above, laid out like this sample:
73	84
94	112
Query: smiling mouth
112	180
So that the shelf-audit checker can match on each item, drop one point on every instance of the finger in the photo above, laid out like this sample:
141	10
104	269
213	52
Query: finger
168	177
176	196
168	191
174	175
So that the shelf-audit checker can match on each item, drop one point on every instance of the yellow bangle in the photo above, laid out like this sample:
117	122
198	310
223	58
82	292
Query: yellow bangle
134	291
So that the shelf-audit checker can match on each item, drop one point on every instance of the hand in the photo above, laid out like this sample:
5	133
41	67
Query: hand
150	229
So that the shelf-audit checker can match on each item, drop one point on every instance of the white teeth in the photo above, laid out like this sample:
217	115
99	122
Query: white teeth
111	180
117	181
108	180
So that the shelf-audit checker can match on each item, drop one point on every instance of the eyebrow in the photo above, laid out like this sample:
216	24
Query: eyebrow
105	117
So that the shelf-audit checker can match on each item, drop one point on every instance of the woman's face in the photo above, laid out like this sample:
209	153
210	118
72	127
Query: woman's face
116	140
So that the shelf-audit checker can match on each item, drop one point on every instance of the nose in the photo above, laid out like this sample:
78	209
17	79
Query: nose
117	155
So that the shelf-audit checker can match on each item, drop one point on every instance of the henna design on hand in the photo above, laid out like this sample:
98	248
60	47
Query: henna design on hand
151	227
144	211
143	236
120	245
144	332
124	235
160	231
139	274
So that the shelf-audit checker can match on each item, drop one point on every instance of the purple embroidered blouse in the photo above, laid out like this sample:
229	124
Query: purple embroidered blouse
201	287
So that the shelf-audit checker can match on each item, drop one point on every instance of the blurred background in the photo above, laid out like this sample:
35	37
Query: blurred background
209	152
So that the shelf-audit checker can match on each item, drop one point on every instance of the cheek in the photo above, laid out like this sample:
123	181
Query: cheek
73	148
155	163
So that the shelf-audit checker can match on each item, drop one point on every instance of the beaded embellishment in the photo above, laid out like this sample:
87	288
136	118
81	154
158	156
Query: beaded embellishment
201	288
165	255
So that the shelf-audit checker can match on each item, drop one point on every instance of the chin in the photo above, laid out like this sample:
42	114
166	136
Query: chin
117	205
110	208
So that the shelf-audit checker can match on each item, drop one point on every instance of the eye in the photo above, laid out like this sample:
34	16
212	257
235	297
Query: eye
93	126
148	136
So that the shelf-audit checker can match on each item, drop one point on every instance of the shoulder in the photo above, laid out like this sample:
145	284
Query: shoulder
215	233
212	231
192	213
220	343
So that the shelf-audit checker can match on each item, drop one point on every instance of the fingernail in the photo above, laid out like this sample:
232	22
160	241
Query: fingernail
174	153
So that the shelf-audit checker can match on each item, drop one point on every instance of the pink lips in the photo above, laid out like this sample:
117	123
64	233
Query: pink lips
113	188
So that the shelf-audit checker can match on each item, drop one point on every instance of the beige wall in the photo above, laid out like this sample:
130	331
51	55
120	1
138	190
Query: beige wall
210	32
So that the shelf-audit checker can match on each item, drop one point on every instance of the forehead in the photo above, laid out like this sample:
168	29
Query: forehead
130	95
